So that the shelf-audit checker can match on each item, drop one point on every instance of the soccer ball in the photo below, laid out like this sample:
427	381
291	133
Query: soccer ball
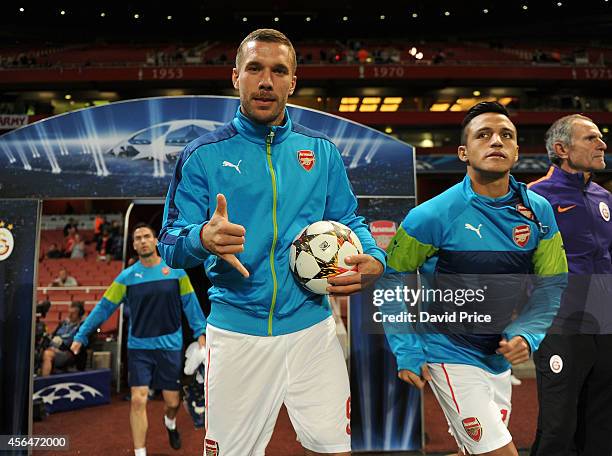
318	253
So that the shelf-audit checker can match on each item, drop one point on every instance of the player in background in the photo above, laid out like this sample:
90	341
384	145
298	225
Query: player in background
574	362
486	224
155	295
239	196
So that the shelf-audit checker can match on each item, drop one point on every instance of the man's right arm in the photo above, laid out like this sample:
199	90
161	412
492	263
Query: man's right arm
104	309
411	246
185	213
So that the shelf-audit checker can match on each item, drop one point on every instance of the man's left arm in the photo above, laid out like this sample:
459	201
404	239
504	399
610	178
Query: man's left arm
192	309
550	270
341	206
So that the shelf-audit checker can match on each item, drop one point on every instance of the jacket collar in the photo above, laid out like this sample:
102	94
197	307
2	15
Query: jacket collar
573	179
258	133
515	188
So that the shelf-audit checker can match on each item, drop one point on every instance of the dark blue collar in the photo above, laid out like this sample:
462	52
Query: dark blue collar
514	188
258	133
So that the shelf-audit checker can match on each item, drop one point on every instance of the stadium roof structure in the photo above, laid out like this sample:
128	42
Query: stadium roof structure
25	20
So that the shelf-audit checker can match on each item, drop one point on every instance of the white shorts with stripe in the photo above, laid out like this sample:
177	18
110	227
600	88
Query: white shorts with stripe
250	377
476	404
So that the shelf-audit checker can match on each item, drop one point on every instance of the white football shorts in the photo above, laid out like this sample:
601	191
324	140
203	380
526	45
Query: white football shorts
476	404
248	378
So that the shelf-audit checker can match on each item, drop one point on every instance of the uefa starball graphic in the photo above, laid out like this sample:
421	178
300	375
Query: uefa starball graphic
162	142
70	391
130	149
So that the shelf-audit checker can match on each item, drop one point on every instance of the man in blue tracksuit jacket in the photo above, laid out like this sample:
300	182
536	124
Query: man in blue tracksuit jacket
238	198
574	362
154	295
489	224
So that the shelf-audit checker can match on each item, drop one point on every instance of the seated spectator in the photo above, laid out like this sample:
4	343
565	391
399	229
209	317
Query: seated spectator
54	252
78	247
64	280
71	231
104	245
69	226
58	355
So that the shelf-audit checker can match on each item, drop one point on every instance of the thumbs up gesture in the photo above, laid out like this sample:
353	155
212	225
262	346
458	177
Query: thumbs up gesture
224	238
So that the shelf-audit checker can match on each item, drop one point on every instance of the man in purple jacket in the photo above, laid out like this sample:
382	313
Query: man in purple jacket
574	361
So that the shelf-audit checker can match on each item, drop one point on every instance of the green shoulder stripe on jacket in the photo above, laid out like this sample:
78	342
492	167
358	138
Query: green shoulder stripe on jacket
549	258
406	253
185	285
115	292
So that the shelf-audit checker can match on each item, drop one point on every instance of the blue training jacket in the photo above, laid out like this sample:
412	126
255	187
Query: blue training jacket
274	189
462	232
154	296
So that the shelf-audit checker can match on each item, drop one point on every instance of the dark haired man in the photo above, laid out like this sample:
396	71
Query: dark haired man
269	340
155	295
487	224
58	355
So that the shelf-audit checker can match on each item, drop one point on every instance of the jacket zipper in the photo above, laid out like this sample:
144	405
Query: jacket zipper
269	140
587	204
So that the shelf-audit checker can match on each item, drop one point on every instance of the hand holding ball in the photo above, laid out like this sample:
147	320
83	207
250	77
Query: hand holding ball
319	252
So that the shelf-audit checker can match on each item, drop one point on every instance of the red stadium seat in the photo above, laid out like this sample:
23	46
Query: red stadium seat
53	314
59	295
84	295
111	325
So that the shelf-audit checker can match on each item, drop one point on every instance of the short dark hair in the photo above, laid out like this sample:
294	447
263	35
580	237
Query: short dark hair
79	305
483	107
267	36
143	225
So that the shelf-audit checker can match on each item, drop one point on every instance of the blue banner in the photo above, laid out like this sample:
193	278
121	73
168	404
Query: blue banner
18	236
74	390
385	411
129	148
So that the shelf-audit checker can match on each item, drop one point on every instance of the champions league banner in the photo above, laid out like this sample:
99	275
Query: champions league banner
385	412
18	238
129	150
